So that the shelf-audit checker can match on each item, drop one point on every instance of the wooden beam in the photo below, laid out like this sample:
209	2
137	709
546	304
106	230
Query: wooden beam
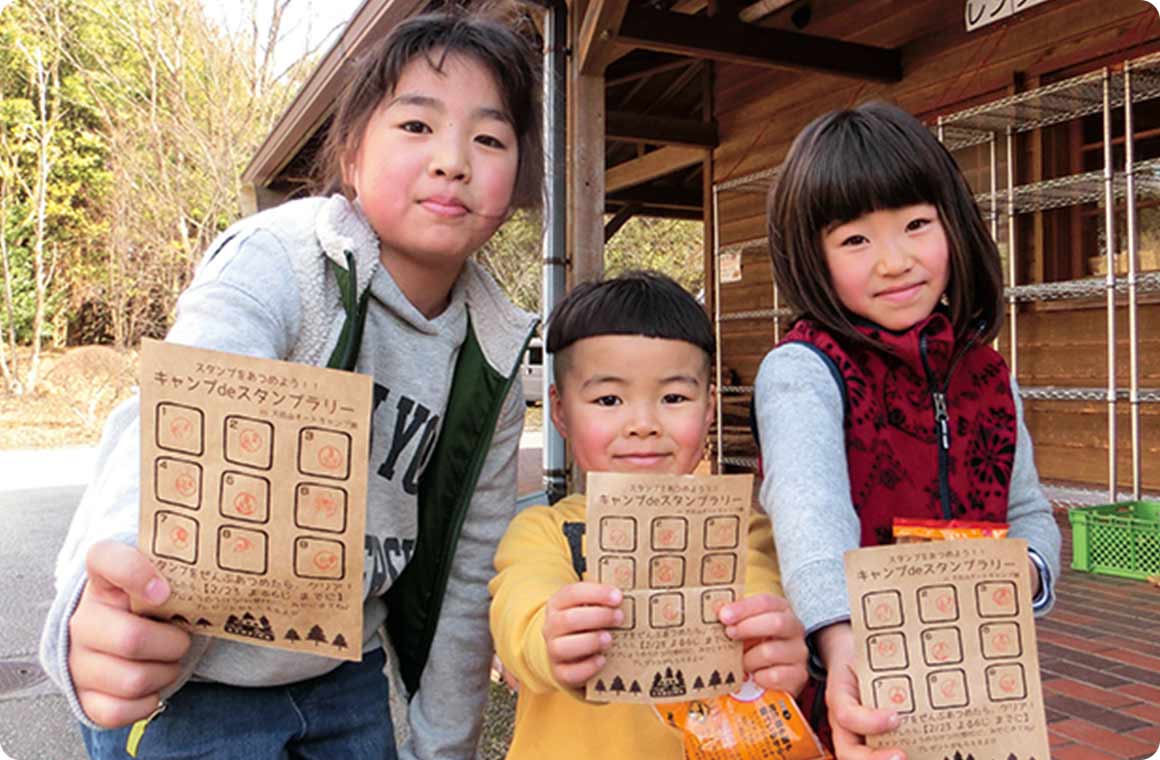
650	166
660	197
634	127
663	212
735	42
613	225
598	34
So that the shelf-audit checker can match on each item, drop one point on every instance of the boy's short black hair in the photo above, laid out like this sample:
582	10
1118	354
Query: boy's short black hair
635	303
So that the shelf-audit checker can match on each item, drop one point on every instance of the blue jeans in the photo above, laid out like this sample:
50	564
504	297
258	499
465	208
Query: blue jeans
343	714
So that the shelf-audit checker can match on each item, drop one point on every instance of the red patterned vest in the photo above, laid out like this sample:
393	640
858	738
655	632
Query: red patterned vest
930	431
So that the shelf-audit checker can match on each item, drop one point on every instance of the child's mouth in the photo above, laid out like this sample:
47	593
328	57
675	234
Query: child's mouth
445	207
649	459
901	294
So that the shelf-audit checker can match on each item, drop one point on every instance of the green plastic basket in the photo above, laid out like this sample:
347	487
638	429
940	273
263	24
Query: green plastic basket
1117	539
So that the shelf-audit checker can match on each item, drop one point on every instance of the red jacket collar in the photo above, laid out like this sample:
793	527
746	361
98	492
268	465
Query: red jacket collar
934	336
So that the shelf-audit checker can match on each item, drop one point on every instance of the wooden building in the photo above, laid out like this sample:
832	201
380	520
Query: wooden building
686	107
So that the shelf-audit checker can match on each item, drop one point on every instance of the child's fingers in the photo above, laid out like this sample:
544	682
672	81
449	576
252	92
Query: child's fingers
576	619
586	593
790	678
576	674
750	606
111	630
578	646
782	625
118	572
771	652
124	679
112	712
850	720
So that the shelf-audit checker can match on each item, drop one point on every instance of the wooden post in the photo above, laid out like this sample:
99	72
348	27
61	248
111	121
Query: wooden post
586	164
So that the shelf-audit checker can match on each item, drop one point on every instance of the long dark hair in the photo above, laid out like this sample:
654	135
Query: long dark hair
874	157
434	36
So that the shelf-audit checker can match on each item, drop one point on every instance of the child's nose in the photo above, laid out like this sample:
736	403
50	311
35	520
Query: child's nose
643	421
450	159
894	259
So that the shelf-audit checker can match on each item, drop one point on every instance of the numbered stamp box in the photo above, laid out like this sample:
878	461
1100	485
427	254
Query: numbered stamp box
996	599
1006	683
244	497
722	532
324	453
617	571
321	558
249	442
175	536
712	600
882	609
894	693
942	646
718	569
670	533
666	571
666	610
887	651
947	689
938	604
177	482
180	428
998	640
618	534
320	507
242	550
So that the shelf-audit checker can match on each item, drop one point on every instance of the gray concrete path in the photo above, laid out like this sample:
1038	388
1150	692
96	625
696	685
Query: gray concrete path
34	719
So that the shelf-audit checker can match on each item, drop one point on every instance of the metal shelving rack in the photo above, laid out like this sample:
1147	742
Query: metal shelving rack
757	182
1096	92
1085	95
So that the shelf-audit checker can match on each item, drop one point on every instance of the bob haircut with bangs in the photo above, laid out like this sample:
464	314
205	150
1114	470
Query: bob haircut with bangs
876	157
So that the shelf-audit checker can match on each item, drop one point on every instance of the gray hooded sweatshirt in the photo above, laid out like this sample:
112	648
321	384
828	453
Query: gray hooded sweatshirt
264	290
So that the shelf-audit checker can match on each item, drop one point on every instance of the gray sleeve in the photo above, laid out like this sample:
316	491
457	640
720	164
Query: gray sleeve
240	303
1029	512
446	713
806	490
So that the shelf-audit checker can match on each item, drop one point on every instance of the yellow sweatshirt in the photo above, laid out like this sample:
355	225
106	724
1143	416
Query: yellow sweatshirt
535	560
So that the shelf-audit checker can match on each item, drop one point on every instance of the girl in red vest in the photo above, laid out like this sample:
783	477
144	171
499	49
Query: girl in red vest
885	399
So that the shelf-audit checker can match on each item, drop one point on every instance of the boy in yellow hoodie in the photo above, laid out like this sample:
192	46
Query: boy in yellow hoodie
631	394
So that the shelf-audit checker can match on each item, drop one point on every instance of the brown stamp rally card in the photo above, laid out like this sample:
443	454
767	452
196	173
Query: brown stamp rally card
945	637
253	496
676	545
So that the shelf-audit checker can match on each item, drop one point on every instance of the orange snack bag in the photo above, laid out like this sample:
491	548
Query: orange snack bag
908	530
750	724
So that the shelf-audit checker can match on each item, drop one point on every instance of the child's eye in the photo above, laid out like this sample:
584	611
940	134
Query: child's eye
675	398
855	240
917	224
491	142
415	127
607	401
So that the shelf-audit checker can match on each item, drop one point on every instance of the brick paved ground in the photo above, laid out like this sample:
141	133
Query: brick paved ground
1099	653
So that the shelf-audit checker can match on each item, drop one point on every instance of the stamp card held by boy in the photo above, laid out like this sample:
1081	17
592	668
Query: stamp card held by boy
676	546
253	496
945	636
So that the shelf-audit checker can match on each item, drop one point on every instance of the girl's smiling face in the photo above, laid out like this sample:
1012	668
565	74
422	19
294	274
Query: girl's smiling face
436	167
889	266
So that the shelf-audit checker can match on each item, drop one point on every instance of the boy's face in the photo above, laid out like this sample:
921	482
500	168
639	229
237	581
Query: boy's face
628	403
